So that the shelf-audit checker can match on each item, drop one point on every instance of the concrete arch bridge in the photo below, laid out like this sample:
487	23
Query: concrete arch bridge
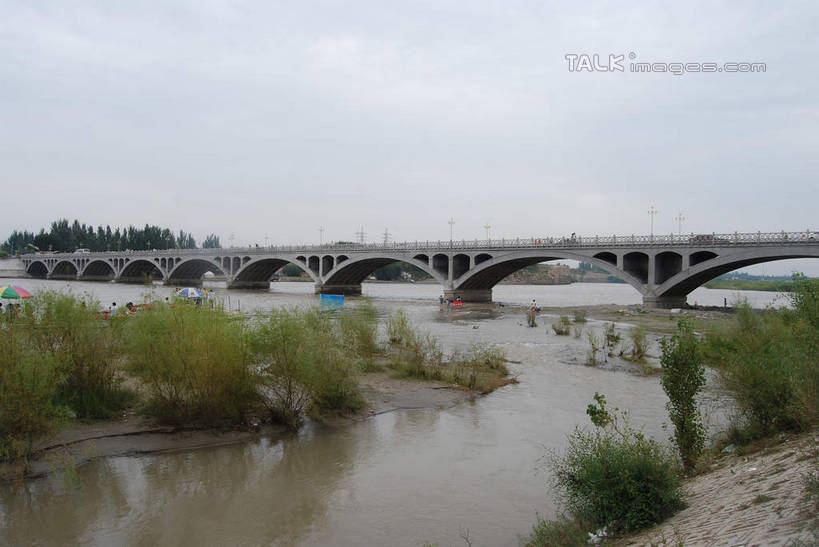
663	269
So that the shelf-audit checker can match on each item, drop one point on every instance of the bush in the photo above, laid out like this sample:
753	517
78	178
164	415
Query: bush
639	344
86	350
359	334
562	327
399	329
304	366
482	368
195	362
612	338
29	380
564	531
580	316
683	377
615	477
768	362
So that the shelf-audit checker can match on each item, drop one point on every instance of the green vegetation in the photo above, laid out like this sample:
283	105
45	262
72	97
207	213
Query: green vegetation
29	381
400	271
563	326
612	339
683	378
291	270
65	237
611	478
195	362
415	354
580	316
304	366
86	351
737	285
639	344
768	362
198	366
748	282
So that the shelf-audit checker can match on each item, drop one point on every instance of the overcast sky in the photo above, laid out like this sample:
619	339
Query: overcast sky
270	119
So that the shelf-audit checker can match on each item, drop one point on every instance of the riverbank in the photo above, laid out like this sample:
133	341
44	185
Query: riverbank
751	499
135	434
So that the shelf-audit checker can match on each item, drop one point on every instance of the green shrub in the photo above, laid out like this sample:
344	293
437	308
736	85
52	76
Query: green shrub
195	362
612	338
29	380
683	378
562	327
614	476
359	333
482	368
563	531
87	350
639	344
304	366
399	329
768	362
580	316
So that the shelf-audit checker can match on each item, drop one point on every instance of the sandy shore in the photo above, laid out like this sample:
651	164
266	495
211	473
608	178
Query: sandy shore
135	434
756	499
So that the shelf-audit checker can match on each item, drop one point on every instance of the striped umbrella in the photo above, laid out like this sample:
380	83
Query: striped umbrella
14	292
189	292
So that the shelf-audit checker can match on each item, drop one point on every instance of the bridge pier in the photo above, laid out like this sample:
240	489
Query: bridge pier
664	302
469	295
347	290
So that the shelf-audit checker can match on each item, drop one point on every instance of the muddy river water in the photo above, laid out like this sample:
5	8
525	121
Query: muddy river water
399	478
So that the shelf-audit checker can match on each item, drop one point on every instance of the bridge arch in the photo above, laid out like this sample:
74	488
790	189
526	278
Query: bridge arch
258	272
64	269
190	271
140	270
355	270
681	284
489	273
98	270
37	269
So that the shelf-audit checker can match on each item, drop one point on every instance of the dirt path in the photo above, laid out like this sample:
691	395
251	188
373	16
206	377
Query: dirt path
745	500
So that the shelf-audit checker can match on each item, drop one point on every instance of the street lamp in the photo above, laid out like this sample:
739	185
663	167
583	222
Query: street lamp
486	227
652	211
321	235
451	223
679	218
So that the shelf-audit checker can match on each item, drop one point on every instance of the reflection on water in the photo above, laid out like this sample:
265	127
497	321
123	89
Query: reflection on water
395	479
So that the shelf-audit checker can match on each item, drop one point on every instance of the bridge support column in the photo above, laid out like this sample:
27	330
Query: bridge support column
664	302
347	290
262	285
469	295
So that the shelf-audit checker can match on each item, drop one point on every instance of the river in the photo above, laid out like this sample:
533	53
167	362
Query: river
399	478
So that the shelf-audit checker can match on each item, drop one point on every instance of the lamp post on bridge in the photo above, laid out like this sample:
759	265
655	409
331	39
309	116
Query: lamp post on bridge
451	223
321	235
652	211
679	218
486	227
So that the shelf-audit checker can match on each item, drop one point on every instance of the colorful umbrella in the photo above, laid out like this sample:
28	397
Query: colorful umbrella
14	292
189	292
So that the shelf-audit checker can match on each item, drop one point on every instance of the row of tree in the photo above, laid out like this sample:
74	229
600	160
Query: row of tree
66	237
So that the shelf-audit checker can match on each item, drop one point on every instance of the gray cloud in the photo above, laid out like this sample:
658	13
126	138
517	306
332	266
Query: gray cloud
270	119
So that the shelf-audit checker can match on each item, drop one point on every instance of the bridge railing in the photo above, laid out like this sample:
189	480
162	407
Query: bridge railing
576	242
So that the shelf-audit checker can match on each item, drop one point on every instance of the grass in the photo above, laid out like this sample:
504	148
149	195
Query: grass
414	354
563	326
195	362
